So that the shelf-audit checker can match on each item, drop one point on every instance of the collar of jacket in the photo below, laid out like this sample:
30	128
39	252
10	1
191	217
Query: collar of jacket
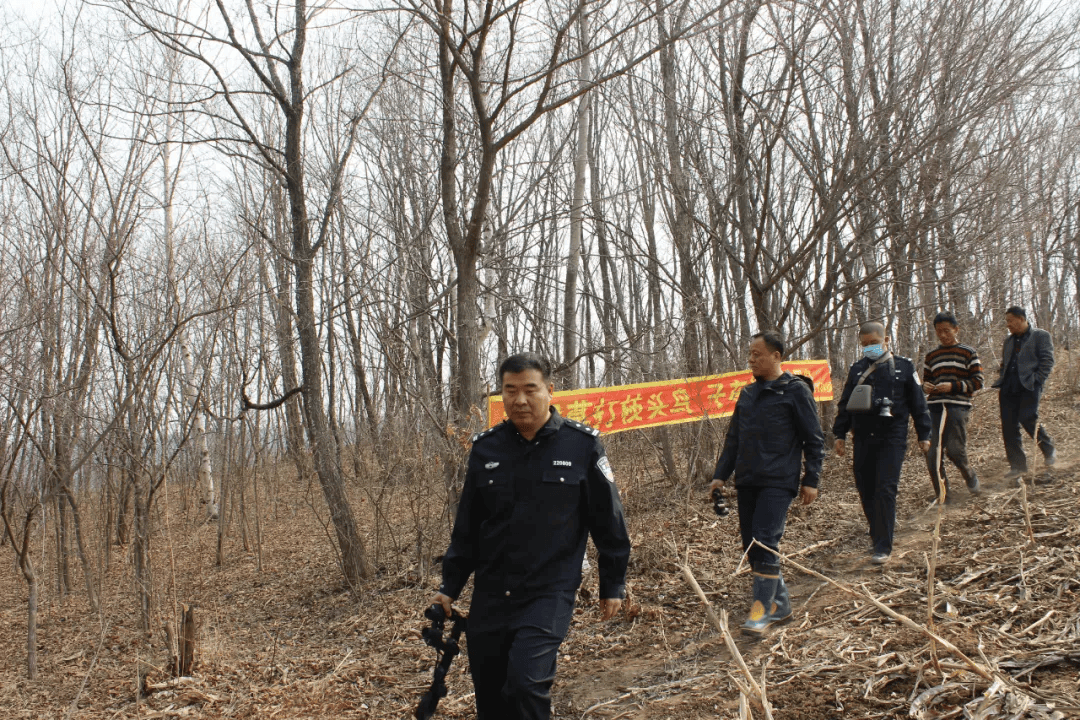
550	427
1022	336
865	362
553	424
777	386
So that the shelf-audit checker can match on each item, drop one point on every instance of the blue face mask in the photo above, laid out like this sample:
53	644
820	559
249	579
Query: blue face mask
873	352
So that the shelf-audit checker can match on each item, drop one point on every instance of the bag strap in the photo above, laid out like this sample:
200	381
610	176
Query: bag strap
873	366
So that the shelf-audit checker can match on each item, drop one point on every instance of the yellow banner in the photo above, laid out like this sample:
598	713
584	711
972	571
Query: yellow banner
668	402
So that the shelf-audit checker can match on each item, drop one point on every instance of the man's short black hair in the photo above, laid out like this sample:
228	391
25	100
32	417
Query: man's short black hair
945	317
872	328
1017	311
772	339
525	361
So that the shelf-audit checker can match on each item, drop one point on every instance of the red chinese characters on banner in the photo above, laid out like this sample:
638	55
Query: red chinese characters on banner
668	402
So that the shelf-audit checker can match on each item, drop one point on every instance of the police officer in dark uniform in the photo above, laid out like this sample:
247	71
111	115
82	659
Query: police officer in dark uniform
537	485
881	432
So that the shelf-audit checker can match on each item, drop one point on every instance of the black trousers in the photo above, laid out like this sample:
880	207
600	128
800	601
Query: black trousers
953	439
1021	409
762	517
877	462
513	645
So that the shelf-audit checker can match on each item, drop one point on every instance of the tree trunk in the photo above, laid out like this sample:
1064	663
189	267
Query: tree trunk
321	442
63	555
24	560
80	549
31	616
141	552
683	224
324	449
577	207
280	291
573	256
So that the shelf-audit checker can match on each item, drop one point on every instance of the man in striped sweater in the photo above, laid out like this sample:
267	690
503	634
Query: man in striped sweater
952	374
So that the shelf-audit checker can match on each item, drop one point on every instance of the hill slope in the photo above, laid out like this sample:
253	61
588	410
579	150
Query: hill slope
291	642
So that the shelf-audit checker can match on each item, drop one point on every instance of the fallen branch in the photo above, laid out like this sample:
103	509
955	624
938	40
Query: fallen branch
935	540
1027	509
745	568
721	625
631	692
903	619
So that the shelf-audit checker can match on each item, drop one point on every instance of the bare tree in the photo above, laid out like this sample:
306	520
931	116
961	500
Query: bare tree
277	66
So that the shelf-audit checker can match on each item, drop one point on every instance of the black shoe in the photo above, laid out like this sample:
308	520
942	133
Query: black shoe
1051	459
973	485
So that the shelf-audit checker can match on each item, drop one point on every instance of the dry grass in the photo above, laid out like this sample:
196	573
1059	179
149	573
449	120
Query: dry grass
292	642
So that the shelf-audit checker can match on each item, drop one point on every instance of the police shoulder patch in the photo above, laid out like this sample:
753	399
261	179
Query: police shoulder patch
483	434
582	427
605	467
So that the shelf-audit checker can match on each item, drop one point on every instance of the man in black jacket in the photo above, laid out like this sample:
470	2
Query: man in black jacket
1027	357
773	432
536	486
881	433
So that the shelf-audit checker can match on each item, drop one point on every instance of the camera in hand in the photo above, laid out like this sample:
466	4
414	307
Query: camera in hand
719	505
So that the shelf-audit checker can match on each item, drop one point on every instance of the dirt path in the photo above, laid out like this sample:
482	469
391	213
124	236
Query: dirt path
688	673
291	642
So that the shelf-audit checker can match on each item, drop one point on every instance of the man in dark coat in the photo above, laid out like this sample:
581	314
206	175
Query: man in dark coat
1027	357
536	486
881	432
774	431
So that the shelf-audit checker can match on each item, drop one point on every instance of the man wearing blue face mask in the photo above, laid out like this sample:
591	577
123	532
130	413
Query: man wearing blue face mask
878	416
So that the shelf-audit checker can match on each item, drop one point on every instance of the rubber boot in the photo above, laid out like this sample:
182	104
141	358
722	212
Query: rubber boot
760	617
781	604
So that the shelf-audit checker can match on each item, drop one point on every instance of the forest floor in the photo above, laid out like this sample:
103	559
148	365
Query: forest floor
291	641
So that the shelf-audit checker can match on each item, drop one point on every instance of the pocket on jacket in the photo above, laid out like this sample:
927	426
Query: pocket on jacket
495	489
560	492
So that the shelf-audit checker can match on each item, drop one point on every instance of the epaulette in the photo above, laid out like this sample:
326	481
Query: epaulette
582	427
483	433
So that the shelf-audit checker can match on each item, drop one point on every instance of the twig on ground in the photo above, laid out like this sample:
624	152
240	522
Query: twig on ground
721	625
903	619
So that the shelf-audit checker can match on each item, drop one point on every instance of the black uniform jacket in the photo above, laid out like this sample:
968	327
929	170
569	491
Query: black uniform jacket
774	427
904	389
525	510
